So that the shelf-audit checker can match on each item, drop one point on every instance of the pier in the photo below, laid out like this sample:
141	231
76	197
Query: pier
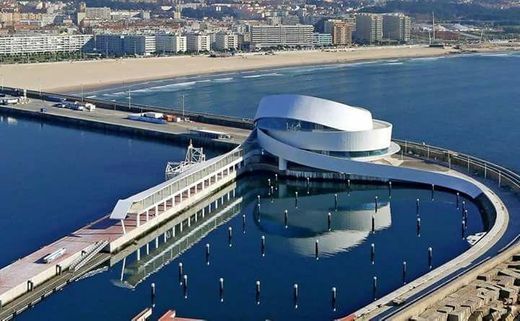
113	116
130	219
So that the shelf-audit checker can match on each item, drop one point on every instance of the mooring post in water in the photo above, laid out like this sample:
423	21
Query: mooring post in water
207	253
153	292
296	199
317	249
372	253
418	226
258	213
389	189
185	285
417	207
374	287
375	204
296	294
329	221
257	292
335	202
333	298
404	272
430	257
230	236
433	191
221	289
181	272
262	245
243	223
373	224
458	195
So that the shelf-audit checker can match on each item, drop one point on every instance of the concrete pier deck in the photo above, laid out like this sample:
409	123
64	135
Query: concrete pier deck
117	120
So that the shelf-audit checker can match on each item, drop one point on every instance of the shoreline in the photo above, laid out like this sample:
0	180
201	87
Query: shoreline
75	76
66	77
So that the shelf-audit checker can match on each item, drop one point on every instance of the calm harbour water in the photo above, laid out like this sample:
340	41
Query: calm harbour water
465	103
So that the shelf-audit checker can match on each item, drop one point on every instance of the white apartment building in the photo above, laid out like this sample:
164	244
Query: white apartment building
43	43
169	43
198	42
226	41
265	36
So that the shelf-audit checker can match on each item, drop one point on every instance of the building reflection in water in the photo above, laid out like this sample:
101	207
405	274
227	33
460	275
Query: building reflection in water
350	224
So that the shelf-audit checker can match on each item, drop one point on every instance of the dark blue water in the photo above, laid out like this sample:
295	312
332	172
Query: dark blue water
73	176
344	257
56	179
450	101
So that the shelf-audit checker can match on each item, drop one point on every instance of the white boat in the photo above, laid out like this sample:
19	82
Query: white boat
474	238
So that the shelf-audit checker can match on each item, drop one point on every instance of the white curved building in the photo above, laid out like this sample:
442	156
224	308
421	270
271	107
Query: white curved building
324	127
330	136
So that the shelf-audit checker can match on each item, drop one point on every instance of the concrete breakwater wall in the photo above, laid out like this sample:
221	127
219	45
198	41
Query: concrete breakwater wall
179	138
243	123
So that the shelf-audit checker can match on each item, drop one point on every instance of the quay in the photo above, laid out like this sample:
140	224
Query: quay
171	207
110	115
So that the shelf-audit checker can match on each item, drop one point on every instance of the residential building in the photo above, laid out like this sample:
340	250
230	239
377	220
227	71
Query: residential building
226	41
97	13
321	39
196	42
369	28
170	43
265	36
142	45
109	44
340	30
396	27
43	44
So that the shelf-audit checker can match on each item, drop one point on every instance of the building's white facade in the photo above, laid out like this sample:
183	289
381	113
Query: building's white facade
170	43
334	137
198	42
266	36
43	43
324	127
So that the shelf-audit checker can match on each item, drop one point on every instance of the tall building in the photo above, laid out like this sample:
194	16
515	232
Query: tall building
396	27
198	42
139	45
44	44
226	41
340	30
265	36
369	28
170	43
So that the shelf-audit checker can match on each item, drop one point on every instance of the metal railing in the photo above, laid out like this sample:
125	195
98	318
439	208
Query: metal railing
463	162
178	184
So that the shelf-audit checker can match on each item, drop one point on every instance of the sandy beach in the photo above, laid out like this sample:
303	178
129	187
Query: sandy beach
72	76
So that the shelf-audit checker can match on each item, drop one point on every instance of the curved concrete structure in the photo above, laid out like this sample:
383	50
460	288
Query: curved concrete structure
323	125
